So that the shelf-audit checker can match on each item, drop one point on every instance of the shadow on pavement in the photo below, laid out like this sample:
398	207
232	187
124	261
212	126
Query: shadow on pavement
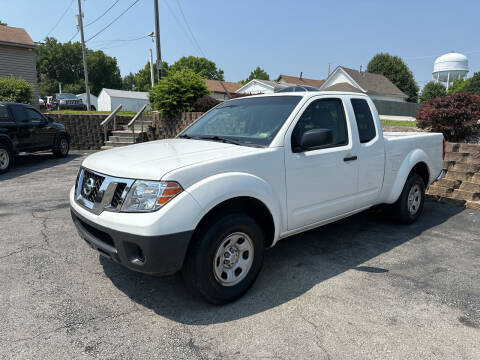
29	163
290	269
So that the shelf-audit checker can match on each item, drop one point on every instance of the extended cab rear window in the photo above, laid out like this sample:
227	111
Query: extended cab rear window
365	122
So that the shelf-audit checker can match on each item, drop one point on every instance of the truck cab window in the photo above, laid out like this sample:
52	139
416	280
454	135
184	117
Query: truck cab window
4	114
365	123
322	114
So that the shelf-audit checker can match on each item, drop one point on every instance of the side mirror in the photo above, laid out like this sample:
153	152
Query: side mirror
316	139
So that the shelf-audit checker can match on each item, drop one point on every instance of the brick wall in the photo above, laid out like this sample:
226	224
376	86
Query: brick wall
87	134
169	128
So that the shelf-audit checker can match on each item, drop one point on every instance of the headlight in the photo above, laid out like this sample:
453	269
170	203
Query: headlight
147	196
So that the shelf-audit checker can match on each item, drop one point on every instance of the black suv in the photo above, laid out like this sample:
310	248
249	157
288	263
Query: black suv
24	129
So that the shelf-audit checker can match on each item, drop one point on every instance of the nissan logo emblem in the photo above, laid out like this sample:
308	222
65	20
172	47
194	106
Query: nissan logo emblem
89	186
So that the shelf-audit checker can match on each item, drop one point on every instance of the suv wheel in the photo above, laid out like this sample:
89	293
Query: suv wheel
62	147
5	158
224	261
409	205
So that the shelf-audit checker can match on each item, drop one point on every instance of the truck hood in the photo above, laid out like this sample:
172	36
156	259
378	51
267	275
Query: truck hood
152	160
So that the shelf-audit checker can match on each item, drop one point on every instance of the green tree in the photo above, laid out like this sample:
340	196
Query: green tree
2	23
393	68
15	90
177	92
473	84
207	69
142	79
458	86
432	90
62	62
128	81
258	73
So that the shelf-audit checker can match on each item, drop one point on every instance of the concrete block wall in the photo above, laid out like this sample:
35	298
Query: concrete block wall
163	128
461	183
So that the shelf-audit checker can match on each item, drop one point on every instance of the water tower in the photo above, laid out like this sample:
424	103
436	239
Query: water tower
450	67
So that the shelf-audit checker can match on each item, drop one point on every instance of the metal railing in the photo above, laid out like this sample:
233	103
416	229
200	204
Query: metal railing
104	123
132	122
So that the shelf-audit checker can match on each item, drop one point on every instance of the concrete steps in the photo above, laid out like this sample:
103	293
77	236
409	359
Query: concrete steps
461	183
124	137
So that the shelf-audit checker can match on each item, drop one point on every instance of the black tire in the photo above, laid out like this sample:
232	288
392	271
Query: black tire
199	271
61	147
6	158
408	212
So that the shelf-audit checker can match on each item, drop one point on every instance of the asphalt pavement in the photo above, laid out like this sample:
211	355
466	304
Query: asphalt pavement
361	288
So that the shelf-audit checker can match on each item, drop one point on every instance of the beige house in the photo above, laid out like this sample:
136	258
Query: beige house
17	56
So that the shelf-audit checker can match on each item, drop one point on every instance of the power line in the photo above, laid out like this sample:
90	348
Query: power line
98	18
60	19
181	26
74	36
189	28
118	17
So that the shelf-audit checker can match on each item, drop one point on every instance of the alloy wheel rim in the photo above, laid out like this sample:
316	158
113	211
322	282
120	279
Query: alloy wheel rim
63	146
4	159
233	259
414	199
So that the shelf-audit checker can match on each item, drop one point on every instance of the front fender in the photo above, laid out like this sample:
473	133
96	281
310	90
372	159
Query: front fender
216	189
413	158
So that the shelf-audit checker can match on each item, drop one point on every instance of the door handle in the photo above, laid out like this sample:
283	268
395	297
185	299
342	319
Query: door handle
350	158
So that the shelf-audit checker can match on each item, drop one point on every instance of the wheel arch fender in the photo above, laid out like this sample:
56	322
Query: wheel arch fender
5	139
217	189
414	158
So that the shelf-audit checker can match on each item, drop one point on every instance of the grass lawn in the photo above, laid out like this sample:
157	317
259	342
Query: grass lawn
399	123
82	112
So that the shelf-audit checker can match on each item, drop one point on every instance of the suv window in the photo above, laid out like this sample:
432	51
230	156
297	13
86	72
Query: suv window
4	117
365	123
322	114
34	116
19	114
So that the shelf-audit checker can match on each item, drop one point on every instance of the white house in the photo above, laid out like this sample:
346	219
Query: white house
377	86
93	100
109	99
257	86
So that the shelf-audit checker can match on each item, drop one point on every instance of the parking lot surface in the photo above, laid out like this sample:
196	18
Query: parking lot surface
361	288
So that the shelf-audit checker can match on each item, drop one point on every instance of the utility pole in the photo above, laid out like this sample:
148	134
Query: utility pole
85	69
157	37
152	77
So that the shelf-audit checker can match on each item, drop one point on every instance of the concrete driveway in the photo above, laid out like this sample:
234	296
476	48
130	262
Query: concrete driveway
362	288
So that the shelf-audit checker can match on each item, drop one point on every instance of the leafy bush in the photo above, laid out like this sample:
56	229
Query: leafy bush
205	103
15	90
455	116
177	92
473	84
432	90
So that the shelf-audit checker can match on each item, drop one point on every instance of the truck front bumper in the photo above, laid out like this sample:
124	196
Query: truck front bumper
156	255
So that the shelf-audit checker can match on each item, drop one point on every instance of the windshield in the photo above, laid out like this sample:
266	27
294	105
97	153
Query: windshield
66	96
247	121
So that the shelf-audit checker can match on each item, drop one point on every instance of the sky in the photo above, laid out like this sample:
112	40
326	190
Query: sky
282	37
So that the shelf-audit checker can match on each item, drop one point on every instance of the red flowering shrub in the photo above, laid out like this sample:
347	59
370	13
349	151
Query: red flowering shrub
205	103
455	116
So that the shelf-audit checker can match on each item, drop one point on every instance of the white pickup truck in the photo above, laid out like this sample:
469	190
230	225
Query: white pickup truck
248	173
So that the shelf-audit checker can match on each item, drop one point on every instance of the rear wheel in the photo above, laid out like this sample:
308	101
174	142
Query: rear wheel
225	259
5	158
409	205
62	147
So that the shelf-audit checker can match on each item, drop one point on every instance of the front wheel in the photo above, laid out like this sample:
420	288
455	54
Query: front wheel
224	261
409	205
5	158
62	147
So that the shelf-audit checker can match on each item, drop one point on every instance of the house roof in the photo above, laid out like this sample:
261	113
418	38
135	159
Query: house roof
343	87
126	94
15	36
216	86
373	83
268	83
300	81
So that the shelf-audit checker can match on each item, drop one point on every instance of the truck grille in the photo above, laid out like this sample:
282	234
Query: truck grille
90	187
117	196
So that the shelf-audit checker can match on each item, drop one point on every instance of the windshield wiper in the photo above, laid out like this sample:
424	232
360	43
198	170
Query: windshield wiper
218	138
